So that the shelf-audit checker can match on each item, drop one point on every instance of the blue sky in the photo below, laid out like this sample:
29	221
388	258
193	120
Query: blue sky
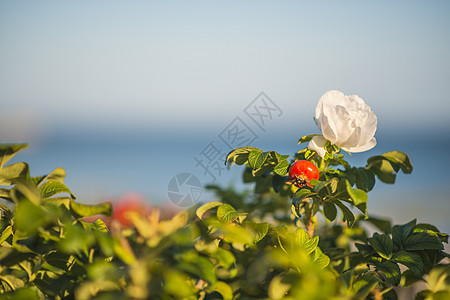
175	65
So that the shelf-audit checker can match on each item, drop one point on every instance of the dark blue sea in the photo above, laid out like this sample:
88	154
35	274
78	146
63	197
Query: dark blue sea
105	165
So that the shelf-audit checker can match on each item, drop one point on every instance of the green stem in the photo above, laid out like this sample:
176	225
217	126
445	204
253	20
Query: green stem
322	164
309	220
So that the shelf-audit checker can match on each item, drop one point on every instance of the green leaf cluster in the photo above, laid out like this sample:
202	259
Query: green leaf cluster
45	246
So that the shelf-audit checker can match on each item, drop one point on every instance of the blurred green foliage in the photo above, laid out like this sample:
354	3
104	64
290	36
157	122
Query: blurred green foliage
265	244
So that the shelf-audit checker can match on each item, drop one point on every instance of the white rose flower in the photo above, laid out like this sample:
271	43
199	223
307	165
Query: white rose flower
346	121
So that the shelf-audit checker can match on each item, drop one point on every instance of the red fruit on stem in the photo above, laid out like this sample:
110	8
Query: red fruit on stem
302	171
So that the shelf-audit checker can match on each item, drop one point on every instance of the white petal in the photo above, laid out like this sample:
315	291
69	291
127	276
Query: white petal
345	127
362	148
352	140
369	128
329	100
317	144
325	111
327	130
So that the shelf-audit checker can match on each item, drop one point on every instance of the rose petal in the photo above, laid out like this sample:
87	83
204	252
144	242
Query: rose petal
317	144
344	124
372	143
327	130
369	128
325	110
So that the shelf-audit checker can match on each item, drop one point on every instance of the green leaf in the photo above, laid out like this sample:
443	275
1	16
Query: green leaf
98	225
385	165
382	168
51	188
60	201
23	293
236	234
247	175
424	240
306	138
443	236
329	210
205	207
84	210
224	289
224	257
412	260
320	258
276	157
401	232
303	240
37	179
177	284
76	239
282	168
278	182
401	159
195	264
382	244
358	196
364	284
10	174
439	279
58	174
392	272
278	288
365	179
124	255
332	184
29	217
263	185
5	194
8	151
266	168
347	215
257	230
303	193
256	159
6	233
25	189
409	278
239	156
5	212
226	213
11	282
364	249
102	270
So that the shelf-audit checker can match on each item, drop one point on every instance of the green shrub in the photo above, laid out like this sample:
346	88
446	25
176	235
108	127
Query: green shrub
265	244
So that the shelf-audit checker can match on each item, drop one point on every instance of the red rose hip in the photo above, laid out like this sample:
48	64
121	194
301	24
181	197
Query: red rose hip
301	172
